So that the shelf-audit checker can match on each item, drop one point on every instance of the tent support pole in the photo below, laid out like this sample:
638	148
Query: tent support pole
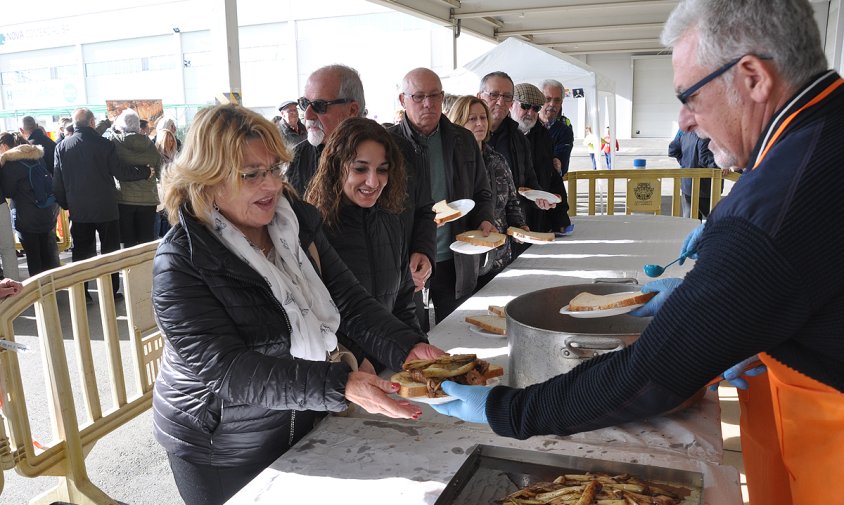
455	33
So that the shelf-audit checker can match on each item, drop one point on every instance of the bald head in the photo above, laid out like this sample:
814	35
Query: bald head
422	99
83	118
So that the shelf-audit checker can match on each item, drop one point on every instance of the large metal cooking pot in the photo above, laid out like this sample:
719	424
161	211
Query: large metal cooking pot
544	343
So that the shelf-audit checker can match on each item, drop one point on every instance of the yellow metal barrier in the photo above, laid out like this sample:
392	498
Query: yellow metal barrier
643	178
64	456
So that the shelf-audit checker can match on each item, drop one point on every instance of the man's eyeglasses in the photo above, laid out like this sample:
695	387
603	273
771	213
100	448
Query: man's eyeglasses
256	177
685	95
526	106
498	96
320	106
420	97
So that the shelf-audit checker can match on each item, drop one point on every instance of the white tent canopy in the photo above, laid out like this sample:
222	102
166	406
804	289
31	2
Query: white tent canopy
526	62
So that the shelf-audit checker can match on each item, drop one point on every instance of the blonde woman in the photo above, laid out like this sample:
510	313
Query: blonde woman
250	296
473	114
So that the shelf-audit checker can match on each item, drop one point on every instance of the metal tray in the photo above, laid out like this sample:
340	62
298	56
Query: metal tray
490	473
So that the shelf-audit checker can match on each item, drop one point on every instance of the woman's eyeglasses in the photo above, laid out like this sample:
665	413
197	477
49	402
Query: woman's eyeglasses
320	106
526	106
256	177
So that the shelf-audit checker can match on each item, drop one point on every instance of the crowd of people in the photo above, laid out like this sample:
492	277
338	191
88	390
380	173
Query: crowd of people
104	173
300	250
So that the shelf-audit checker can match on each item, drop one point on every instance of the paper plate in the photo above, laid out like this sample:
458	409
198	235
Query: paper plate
445	399
467	248
464	206
528	240
587	314
535	194
482	332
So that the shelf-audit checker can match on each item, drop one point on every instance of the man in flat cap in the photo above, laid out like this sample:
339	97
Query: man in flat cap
527	102
290	126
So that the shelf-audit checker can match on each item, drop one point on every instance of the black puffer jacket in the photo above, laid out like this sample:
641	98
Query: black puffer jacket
229	392
371	243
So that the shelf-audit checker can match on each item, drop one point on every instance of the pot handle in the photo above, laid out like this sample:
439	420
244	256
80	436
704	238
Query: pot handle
615	280
588	347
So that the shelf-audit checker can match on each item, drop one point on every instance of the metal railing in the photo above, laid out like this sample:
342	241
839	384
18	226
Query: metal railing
72	439
641	175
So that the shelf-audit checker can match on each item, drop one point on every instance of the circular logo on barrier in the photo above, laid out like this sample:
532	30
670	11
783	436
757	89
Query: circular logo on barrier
644	191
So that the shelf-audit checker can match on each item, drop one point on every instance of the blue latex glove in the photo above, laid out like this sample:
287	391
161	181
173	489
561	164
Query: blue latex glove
664	287
733	375
690	244
470	405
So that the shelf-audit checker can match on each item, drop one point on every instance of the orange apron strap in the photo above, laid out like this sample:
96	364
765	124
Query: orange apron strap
767	479
809	420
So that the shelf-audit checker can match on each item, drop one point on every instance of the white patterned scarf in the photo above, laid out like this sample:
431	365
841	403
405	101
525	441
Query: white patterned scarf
295	283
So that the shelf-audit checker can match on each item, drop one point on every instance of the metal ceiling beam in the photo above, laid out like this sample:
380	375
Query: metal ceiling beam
563	8
494	22
603	43
581	30
638	50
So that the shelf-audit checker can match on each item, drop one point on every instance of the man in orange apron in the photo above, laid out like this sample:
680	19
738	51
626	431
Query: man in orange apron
752	77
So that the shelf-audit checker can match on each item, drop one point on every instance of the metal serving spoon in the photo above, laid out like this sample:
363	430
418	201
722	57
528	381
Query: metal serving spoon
652	270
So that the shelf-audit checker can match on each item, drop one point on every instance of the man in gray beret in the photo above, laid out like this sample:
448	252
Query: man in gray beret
527	102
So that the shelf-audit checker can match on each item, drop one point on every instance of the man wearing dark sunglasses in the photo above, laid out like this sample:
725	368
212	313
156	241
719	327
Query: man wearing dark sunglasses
527	102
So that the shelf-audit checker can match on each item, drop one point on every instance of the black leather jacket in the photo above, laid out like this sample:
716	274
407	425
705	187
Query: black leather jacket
229	392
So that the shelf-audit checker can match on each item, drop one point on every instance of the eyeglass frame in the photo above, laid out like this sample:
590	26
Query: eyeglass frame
320	106
694	88
527	106
258	176
495	96
420	97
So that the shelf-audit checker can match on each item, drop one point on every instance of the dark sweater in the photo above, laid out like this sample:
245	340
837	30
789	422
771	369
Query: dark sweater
763	282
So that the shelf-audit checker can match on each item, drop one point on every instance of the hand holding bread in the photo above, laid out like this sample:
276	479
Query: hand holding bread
370	392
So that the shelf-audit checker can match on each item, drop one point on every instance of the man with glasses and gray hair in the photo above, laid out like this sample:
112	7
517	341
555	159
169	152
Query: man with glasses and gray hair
456	170
558	125
753	78
333	94
497	91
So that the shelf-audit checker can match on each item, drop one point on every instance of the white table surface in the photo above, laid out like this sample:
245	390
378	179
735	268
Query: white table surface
370	459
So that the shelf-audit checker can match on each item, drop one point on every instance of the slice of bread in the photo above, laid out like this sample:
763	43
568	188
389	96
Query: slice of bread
589	301
498	310
476	237
408	388
445	213
532	235
489	322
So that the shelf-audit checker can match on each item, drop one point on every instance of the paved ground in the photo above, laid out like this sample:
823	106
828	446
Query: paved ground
128	464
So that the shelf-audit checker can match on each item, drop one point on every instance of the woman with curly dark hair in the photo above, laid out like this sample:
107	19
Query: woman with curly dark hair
360	190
